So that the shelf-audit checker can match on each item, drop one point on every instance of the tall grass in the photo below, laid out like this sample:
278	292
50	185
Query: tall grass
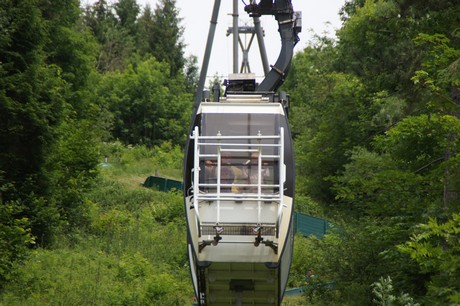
133	252
140	162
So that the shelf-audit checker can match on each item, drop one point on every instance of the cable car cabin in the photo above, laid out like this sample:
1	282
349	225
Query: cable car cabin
239	201
239	177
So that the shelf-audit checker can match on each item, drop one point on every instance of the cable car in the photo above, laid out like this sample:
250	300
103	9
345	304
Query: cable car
239	191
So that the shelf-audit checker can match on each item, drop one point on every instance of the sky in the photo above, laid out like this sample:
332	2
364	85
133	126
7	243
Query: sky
319	17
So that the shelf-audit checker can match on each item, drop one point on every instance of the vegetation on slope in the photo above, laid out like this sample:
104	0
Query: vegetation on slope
375	116
132	251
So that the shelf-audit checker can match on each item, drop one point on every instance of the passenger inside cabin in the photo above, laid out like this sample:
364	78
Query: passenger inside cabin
251	171
227	174
210	171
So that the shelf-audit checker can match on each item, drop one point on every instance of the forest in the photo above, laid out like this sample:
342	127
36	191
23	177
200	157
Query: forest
96	97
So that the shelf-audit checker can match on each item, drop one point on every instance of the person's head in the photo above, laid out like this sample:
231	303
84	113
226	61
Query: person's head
225	158
254	157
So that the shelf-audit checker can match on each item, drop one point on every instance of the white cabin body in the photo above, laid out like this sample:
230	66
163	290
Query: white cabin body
239	187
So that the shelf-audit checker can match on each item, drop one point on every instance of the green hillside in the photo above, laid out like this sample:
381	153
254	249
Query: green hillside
96	97
131	251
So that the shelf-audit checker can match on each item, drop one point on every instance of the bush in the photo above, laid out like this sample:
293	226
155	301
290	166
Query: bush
15	237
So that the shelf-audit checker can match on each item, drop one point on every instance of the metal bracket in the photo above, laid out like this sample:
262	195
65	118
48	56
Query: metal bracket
259	238
272	245
214	242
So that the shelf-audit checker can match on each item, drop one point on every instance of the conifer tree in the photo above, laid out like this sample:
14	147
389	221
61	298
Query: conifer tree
165	38
116	43
127	13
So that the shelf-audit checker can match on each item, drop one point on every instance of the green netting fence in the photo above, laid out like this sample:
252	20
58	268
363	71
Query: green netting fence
162	184
308	225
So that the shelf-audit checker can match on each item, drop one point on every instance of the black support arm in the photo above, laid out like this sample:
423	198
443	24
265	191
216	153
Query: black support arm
288	27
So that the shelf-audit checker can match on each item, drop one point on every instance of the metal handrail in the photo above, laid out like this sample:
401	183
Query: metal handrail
240	144
214	197
221	137
195	183
222	146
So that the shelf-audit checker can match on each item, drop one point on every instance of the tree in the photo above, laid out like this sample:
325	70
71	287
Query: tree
72	159
46	59
383	291
191	72
115	42
326	117
165	36
15	235
378	42
144	40
127	13
375	45
96	17
375	121
148	106
31	99
435	247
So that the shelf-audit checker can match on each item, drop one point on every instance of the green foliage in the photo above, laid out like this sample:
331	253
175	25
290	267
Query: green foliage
165	36
439	77
72	169
384	294
31	95
131	250
33	105
419	141
386	110
69	80
435	247
52	117
70	46
389	191
116	45
372	42
306	205
348	261
89	276
127	13
15	237
148	106
375	121
139	160
331	115
375	185
191	72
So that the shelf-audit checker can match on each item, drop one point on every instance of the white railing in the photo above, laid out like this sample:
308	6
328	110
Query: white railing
219	191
